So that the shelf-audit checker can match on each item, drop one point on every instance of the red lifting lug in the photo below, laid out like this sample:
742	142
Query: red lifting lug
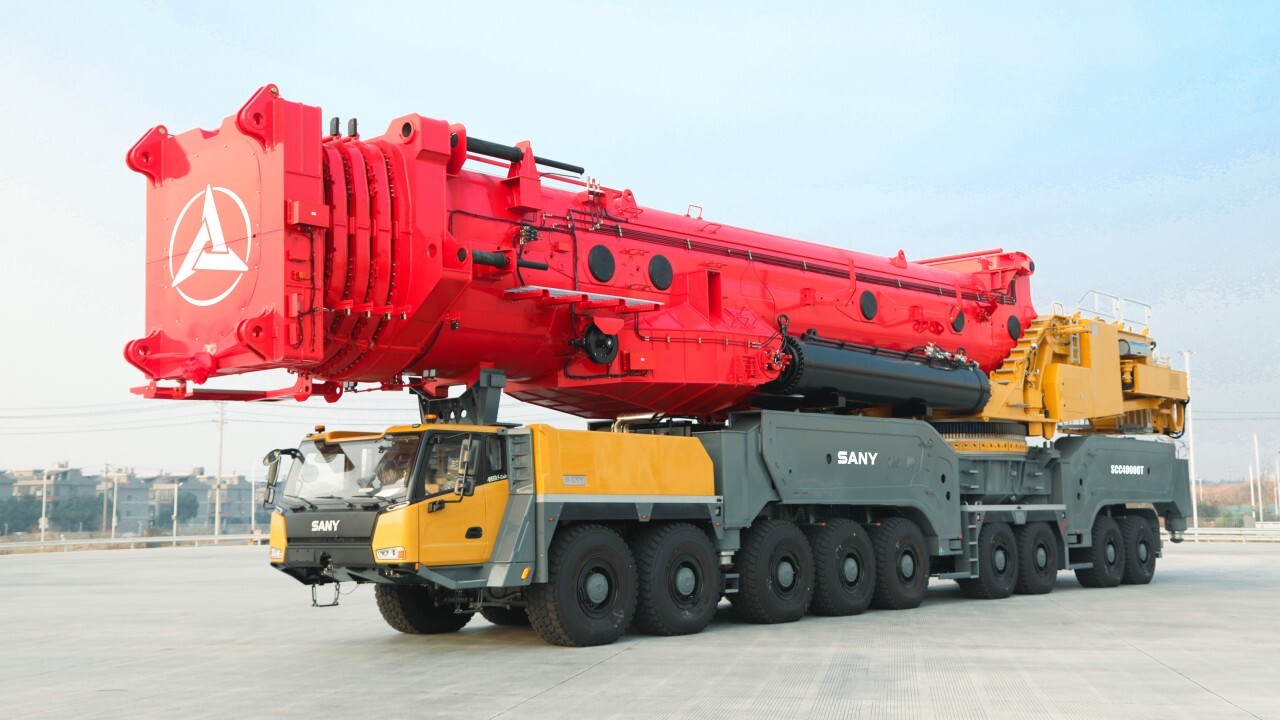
158	156
257	118
525	184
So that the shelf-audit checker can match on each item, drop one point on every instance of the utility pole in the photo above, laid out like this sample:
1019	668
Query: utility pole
115	505
217	481
1191	448
103	526
44	504
176	485
252	497
1277	479
1253	508
1257	464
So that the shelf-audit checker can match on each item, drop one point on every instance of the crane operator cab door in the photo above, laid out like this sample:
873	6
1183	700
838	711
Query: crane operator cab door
466	487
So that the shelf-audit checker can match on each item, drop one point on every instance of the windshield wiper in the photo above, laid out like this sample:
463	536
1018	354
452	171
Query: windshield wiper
368	504
305	501
335	497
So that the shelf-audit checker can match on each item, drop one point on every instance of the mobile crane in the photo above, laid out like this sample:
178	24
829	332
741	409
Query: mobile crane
793	427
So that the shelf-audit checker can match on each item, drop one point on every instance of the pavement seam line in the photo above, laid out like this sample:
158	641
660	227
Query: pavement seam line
562	682
1162	664
1177	672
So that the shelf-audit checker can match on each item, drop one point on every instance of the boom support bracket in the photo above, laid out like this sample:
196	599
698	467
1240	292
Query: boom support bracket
477	406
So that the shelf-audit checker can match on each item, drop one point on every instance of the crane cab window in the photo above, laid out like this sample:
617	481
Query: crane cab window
443	464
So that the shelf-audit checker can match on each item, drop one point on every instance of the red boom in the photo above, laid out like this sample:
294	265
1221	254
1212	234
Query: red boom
271	245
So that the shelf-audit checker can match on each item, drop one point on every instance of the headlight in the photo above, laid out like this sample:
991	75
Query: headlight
277	554
395	553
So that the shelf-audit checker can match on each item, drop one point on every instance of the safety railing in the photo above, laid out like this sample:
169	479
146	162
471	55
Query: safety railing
1239	535
1113	307
129	542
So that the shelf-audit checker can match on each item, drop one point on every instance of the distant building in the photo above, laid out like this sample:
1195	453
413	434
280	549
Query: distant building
237	500
142	502
60	481
162	489
131	497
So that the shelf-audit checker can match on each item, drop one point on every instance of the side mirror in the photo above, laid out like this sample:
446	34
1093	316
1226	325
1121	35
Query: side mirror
466	484
272	461
467	462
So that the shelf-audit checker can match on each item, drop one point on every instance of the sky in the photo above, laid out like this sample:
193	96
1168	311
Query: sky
1129	148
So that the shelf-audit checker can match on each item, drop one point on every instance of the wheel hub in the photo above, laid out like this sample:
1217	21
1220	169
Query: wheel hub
1042	557
1111	553
850	570
686	581
786	574
1001	560
597	588
907	566
1143	552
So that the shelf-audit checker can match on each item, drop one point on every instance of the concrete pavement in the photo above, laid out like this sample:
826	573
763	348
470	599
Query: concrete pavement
215	633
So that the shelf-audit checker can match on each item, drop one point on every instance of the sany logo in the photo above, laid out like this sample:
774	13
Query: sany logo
324	525
849	457
210	269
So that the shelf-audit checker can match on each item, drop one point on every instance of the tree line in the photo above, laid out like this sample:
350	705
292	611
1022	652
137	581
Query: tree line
80	513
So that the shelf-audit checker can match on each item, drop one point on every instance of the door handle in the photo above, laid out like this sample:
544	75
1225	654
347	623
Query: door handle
475	532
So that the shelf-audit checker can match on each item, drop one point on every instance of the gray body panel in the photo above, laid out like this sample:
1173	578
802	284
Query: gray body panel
1098	472
795	459
788	464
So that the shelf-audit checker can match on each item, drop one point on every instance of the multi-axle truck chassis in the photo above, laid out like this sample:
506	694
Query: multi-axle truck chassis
583	533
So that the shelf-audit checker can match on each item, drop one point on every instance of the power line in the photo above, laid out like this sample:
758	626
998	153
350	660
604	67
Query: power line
69	407
96	413
65	431
59	423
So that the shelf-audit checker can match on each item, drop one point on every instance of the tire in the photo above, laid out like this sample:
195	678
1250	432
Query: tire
679	574
590	594
414	609
844	568
902	565
1037	558
1107	555
997	564
506	617
1139	550
775	573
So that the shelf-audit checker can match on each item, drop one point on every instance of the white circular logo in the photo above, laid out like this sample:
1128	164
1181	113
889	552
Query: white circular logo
211	268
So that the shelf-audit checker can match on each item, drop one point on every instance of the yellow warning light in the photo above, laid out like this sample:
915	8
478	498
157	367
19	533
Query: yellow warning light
525	575
430	417
319	428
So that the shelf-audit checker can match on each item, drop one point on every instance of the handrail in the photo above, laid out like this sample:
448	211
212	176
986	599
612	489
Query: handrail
1266	535
97	543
